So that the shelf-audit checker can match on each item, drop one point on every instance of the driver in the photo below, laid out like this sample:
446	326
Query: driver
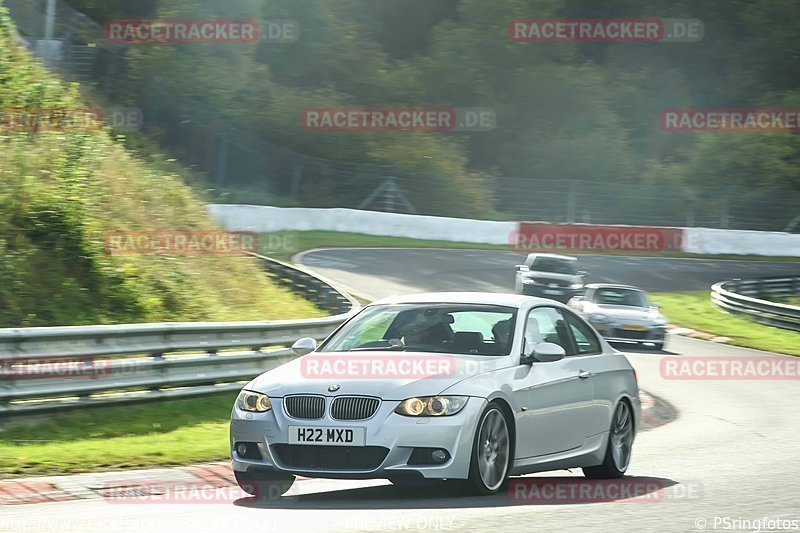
430	328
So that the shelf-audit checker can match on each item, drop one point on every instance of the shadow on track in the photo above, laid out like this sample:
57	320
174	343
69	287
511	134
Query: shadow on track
531	490
633	348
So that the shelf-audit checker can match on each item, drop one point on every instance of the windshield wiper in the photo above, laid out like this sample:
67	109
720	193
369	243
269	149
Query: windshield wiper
379	349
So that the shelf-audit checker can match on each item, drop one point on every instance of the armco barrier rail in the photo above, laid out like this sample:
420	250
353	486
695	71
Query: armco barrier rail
745	297
42	369
309	286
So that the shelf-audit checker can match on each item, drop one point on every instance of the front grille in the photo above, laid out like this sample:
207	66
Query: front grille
354	407
308	407
330	457
629	334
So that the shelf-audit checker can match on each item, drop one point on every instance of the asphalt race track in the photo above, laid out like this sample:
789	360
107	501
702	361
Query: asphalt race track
731	454
379	272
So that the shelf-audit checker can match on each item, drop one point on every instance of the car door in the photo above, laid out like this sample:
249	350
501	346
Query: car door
594	367
555	399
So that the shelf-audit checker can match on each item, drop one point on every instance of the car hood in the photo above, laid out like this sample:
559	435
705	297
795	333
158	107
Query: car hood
622	312
310	375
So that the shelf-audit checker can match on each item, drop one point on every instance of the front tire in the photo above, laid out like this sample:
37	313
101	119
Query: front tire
491	453
618	447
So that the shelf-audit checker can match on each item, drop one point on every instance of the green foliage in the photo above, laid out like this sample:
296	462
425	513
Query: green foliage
61	190
588	111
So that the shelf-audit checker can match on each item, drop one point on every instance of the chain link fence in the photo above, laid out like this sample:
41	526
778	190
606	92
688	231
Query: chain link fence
653	205
251	170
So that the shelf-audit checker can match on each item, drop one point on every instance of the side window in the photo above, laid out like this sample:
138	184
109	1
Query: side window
586	341
546	324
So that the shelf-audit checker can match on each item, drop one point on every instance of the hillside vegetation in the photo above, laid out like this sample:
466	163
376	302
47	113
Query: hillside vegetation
60	190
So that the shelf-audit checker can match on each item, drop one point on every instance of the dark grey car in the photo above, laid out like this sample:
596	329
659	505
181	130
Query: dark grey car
550	276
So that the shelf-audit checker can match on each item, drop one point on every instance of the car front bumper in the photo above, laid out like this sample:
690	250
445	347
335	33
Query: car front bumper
615	333
387	432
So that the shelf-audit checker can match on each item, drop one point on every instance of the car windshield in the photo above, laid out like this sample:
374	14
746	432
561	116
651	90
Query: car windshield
556	265
441	328
626	297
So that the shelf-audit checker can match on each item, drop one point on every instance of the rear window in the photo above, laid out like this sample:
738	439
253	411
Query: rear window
553	264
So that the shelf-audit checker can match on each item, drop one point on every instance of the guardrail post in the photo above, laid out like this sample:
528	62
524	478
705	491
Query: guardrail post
725	208
7	384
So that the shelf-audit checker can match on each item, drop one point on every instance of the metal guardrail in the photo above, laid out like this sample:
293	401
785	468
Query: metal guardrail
43	369
310	286
745	297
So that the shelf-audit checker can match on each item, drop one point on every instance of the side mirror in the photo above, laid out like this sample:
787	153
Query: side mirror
520	268
547	352
304	346
655	304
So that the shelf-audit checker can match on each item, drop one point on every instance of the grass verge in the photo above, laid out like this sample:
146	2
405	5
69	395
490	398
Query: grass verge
150	434
693	309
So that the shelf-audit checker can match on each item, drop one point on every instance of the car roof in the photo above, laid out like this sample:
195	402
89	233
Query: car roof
613	286
489	298
555	256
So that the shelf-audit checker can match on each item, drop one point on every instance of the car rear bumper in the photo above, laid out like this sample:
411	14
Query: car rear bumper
562	294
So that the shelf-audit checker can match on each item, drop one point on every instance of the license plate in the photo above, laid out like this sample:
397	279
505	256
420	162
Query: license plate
552	291
634	327
327	436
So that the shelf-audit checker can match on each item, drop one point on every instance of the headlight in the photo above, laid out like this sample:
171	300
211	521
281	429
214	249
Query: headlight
529	281
253	401
660	321
597	317
431	406
576	286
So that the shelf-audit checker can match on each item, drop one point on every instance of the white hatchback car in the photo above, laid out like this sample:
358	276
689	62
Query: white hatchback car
472	387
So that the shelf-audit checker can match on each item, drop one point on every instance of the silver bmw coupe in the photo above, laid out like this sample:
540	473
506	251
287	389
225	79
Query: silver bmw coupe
466	387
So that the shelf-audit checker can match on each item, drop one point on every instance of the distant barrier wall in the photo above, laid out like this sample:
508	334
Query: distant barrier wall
521	236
